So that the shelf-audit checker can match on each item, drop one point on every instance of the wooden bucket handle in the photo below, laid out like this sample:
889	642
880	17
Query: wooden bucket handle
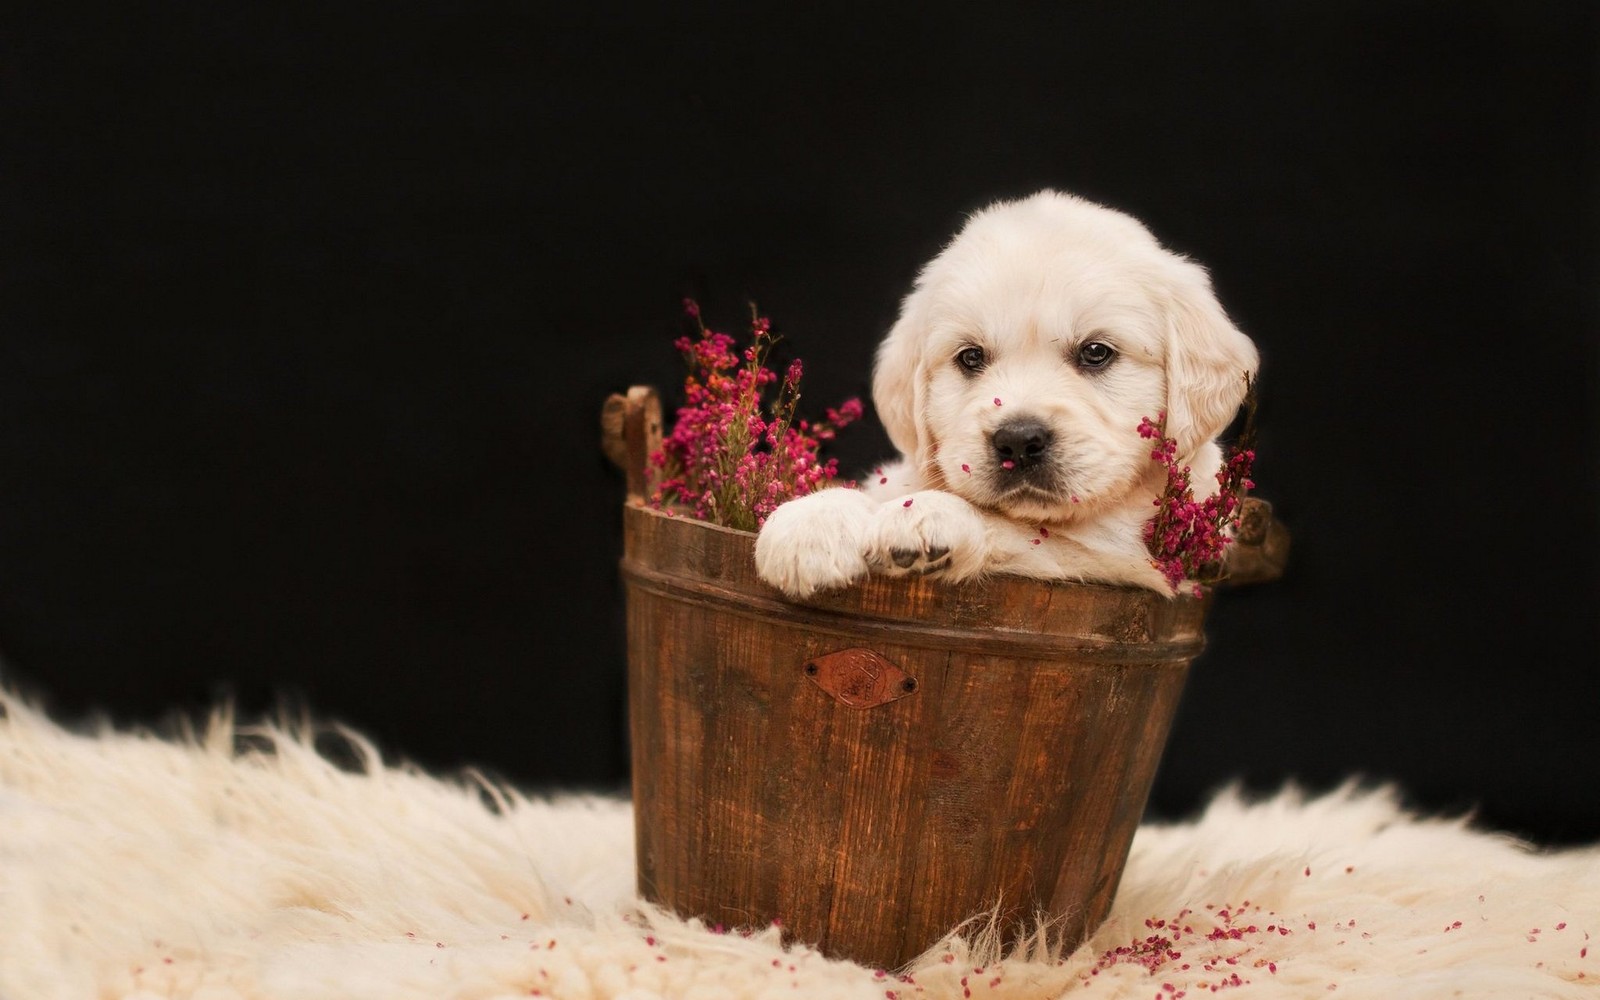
630	432
1260	548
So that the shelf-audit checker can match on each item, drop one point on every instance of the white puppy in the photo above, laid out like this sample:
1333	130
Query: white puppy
1014	383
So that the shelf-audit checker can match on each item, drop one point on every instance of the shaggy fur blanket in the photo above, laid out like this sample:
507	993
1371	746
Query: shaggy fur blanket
240	863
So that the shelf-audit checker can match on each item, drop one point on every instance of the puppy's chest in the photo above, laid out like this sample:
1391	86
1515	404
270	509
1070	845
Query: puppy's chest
893	479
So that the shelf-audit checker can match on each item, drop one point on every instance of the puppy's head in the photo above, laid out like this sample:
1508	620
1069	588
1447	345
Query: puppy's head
1030	349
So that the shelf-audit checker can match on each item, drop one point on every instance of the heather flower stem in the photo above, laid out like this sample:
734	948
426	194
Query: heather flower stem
729	458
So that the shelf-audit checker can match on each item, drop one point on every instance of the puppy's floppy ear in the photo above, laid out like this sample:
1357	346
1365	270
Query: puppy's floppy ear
1207	361
897	380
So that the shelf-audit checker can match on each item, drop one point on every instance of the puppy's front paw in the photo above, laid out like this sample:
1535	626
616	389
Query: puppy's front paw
929	532
815	542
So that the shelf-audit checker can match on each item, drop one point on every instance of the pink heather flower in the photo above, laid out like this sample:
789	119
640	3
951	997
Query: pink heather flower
848	412
1186	537
733	456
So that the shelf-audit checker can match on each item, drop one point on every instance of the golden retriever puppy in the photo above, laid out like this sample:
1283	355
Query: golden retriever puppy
1013	384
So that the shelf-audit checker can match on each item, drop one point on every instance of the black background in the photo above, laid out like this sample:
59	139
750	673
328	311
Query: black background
306	323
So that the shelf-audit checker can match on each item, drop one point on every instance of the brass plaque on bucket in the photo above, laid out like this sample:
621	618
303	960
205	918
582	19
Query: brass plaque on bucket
859	678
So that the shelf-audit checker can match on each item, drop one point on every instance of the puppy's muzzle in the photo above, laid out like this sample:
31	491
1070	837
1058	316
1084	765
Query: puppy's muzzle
1021	444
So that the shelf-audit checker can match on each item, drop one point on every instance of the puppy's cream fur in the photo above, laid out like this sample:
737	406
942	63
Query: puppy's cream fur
1028	283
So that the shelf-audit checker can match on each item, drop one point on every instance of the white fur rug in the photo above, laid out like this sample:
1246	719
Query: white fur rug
136	867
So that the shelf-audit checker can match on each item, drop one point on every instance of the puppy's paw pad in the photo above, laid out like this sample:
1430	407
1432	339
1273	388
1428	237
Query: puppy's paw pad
920	561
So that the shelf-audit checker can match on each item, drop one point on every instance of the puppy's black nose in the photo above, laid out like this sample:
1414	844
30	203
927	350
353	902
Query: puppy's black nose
1021	443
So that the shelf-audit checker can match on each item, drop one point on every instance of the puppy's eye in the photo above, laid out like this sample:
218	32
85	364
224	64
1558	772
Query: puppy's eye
972	358
1094	354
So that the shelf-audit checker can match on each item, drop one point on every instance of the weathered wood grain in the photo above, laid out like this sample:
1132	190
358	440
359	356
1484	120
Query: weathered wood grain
1013	776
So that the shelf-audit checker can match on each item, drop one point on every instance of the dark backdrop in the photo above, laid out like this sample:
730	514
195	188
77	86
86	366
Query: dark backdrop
306	322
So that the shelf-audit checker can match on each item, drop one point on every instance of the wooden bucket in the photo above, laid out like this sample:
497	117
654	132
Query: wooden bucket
872	766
